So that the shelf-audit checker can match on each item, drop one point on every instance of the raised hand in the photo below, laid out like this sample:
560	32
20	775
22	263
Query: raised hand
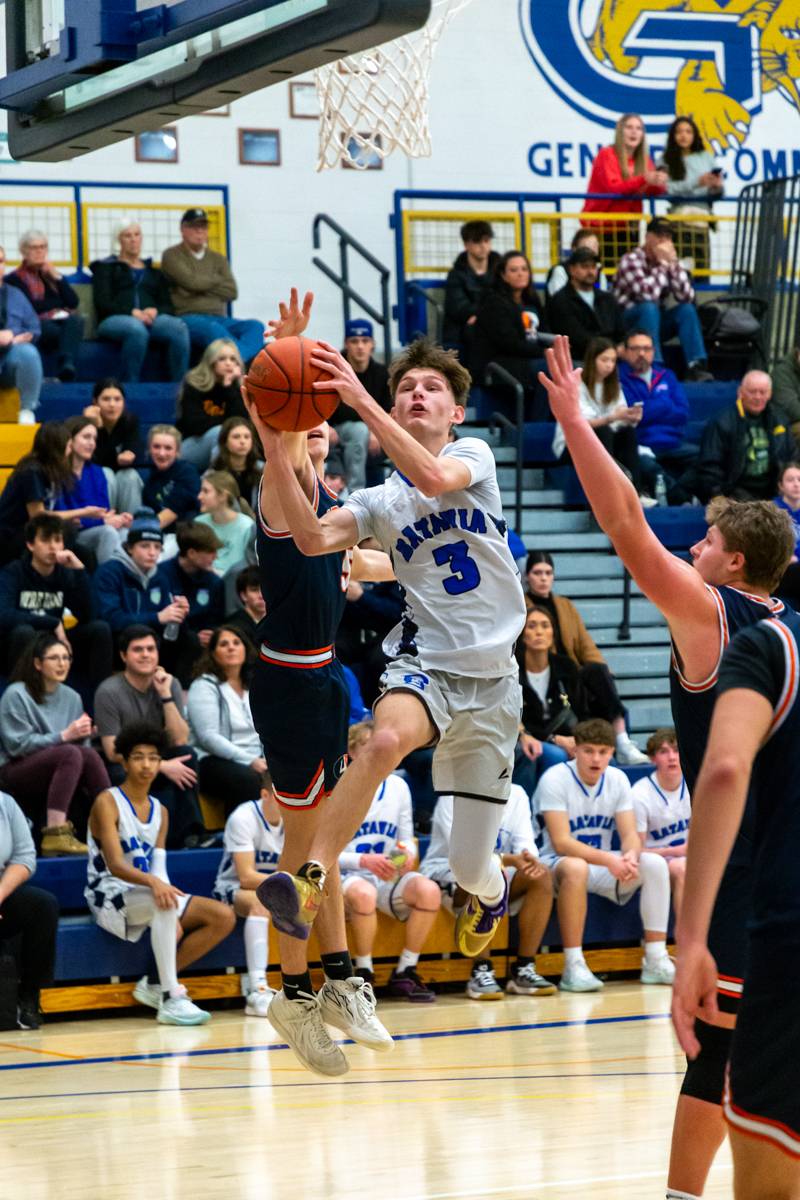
563	384
293	319
343	378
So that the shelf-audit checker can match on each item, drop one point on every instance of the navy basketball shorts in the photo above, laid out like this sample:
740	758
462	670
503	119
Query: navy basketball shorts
762	1099
727	935
302	718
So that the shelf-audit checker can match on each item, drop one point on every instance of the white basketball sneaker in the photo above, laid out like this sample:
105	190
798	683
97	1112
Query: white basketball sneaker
660	971
258	1001
147	993
179	1010
300	1023
578	978
349	1005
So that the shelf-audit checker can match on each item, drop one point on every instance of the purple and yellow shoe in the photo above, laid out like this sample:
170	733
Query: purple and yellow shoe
476	924
293	900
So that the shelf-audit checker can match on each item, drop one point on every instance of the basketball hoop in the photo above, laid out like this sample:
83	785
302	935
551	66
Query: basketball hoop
377	101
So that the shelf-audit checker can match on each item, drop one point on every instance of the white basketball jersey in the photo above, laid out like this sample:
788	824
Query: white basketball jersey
389	821
137	839
515	834
248	829
591	811
464	603
664	816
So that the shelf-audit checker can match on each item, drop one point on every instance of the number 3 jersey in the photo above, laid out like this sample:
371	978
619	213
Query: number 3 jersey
463	594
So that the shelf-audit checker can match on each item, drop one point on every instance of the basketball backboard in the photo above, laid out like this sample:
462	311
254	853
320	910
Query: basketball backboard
81	74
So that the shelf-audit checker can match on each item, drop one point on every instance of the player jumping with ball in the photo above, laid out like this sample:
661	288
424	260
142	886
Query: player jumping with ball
452	680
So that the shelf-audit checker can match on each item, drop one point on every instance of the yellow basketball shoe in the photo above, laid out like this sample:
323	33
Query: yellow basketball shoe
476	924
293	900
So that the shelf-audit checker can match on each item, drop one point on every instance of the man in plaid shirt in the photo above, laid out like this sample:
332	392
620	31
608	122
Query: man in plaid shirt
645	279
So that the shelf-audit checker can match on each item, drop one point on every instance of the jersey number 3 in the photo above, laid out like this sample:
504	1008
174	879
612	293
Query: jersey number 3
464	574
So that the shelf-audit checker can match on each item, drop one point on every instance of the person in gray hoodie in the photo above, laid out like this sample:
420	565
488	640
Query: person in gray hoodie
44	742
26	912
230	755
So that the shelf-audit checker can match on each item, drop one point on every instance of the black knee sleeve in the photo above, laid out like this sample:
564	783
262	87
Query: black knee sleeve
705	1076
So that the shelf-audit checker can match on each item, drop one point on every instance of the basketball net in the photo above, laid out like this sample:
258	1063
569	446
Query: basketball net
377	101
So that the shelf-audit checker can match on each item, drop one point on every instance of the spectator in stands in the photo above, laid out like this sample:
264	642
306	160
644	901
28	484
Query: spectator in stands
202	287
172	485
190	575
128	888
742	447
221	509
53	300
695	181
44	736
100	529
36	589
371	612
246	620
20	362
573	638
621	175
507	324
788	499
647	277
144	692
131	589
28	915
133	306
467	279
583	804
580	309
229	752
253	844
118	444
603	405
552	700
32	486
786	387
379	874
558	276
211	394
665	414
663	809
238	456
347	430
530	894
335	476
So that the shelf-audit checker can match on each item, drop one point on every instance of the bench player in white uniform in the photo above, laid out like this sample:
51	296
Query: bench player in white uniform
128	889
584	803
452	681
378	873
663	809
530	893
253	842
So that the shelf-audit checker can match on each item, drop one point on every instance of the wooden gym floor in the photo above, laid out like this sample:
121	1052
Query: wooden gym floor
518	1099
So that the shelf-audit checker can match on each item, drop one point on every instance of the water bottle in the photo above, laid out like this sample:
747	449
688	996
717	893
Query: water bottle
661	490
172	628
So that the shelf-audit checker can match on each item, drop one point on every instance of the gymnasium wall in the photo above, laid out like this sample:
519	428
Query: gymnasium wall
523	93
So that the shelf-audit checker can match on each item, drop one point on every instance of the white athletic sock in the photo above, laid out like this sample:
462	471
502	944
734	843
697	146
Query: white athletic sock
573	955
622	739
407	959
653	951
654	900
473	837
364	961
673	1195
163	939
256	942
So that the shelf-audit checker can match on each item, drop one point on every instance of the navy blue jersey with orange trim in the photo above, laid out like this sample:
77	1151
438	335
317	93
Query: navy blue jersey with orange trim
693	703
305	596
766	659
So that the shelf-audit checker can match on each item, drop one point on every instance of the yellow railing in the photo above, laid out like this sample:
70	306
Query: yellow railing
160	227
56	218
429	237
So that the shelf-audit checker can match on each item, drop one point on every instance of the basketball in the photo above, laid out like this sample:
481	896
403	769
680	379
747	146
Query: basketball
280	384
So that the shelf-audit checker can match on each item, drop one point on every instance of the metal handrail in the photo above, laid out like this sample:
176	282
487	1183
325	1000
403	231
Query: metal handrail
417	289
497	374
347	242
624	630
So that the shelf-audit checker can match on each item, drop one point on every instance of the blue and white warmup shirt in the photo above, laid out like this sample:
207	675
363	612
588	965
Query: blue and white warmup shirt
104	892
664	816
464	603
247	829
389	821
591	811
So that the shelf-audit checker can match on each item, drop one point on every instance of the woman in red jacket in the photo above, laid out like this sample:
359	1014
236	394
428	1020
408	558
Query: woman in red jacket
621	170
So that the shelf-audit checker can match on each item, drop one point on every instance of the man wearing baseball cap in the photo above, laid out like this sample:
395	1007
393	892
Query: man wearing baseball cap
646	279
202	285
580	310
348	431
